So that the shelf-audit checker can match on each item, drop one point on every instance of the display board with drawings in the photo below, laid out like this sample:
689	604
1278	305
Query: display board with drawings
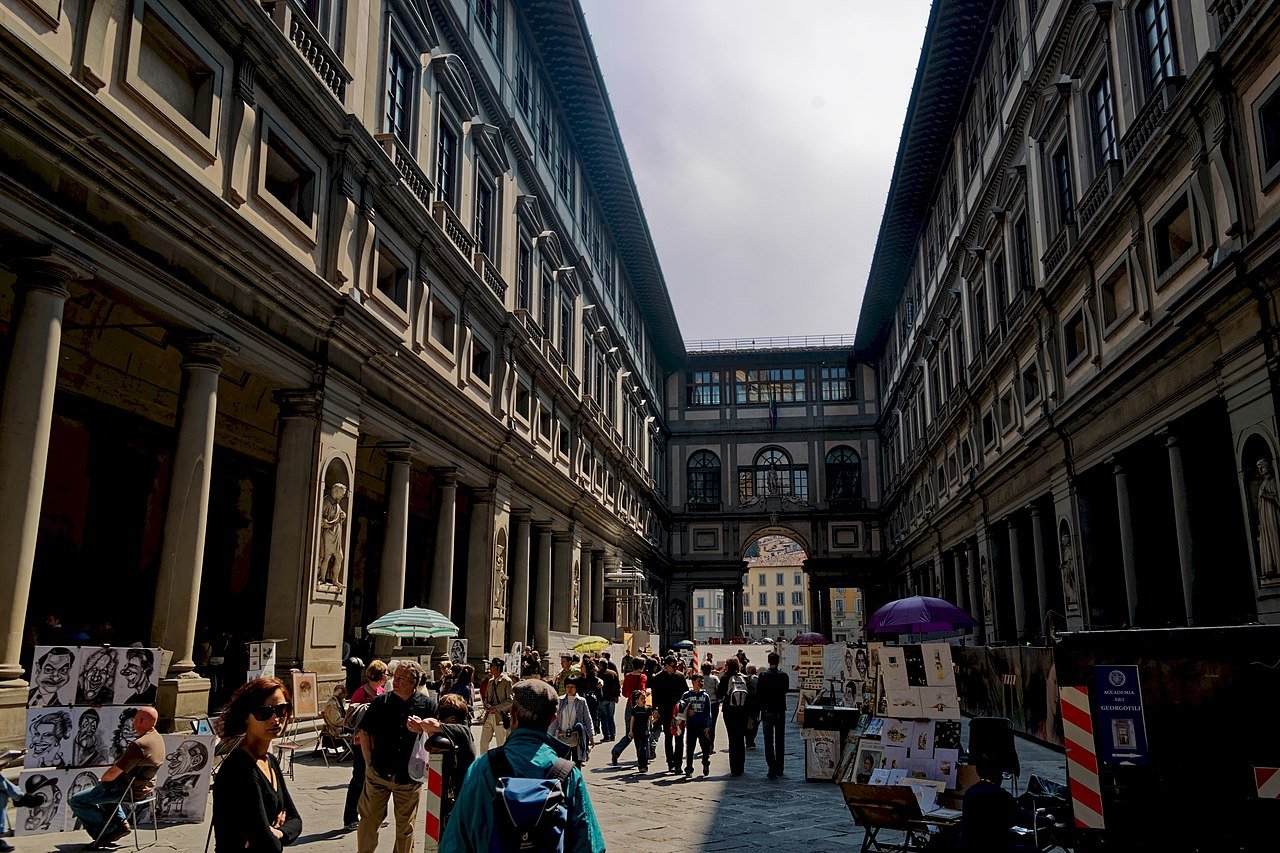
919	719
182	785
306	699
63	676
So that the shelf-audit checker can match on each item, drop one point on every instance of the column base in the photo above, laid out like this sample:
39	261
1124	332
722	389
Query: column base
181	699
13	715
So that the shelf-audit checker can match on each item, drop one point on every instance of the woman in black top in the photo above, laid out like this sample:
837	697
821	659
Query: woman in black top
252	810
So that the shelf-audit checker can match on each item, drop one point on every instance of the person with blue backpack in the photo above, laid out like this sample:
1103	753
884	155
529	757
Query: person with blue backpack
525	795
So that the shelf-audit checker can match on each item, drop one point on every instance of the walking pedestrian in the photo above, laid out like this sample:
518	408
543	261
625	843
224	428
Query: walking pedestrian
610	693
771	693
695	708
753	707
375	677
572	724
589	689
711	682
641	716
529	753
636	680
496	693
668	686
252	809
387	742
463	676
374	684
735	696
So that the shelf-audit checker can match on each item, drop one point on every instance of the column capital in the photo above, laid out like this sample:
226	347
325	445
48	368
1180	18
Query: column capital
547	527
48	268
447	476
522	514
202	351
1034	509
397	452
484	495
1169	434
1117	467
298	402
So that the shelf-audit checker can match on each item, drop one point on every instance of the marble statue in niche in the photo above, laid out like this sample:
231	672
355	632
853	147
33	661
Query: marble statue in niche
500	577
333	525
1268	510
574	599
1070	580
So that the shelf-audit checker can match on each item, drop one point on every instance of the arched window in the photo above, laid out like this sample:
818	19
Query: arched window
773	474
704	479
844	475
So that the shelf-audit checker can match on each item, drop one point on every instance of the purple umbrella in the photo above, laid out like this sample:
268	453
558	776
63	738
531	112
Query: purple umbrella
919	614
810	638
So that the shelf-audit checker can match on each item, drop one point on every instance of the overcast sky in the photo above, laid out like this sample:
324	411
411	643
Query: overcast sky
762	138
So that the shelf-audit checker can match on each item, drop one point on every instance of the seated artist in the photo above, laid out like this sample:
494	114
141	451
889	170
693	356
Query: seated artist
98	807
989	815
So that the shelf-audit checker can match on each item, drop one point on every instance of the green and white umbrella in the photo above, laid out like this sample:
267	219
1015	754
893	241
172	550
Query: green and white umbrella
413	622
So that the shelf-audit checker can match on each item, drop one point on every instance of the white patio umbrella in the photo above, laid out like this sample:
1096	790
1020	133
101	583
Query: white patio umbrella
413	622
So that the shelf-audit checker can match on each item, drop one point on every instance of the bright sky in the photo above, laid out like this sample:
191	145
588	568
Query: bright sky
762	138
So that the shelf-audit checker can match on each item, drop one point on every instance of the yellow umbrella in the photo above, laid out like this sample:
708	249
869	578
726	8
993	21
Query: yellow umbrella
591	644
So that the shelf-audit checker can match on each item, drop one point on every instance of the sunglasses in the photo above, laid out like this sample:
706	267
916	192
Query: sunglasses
266	712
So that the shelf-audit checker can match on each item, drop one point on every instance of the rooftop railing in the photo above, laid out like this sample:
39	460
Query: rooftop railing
771	343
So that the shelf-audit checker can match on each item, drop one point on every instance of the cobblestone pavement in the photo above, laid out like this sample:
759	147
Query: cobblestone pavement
654	813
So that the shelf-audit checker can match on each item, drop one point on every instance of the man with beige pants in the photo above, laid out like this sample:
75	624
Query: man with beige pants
386	744
496	693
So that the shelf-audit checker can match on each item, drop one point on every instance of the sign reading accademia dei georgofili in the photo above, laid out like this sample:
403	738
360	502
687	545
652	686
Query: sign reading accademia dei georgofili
1121	729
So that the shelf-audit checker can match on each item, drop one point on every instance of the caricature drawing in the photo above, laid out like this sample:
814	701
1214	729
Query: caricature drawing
97	685
50	675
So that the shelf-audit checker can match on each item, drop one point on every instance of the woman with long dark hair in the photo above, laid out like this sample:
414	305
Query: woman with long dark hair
252	809
462	678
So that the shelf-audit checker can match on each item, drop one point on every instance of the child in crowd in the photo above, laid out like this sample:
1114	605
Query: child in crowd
641	716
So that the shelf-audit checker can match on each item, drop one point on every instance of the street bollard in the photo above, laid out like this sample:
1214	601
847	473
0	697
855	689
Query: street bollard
435	803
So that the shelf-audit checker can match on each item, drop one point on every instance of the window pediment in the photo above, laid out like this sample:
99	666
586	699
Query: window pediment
488	141
549	245
449	70
529	213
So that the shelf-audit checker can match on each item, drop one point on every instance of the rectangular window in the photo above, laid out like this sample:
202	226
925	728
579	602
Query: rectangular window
524	77
489	23
782	617
447	164
442	324
797	579
547	302
797	598
1030	384
781	598
988	429
747	617
175	72
702	603
484	231
999	286
797	617
836	384
702	621
782	385
288	179
764	617
1174	235
1102	122
1075	345
1022	253
1268	122
481	362
523	398
1064	195
566	329
393	278
1155	23
979	316
399	107
702	387
762	580
1007	414
524	272
764	598
1117	297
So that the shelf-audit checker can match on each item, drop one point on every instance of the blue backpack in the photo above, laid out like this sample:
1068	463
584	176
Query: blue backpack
530	814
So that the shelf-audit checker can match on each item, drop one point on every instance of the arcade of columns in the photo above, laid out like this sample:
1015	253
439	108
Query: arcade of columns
519	585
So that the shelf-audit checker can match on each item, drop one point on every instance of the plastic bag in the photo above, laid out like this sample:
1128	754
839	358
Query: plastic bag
418	759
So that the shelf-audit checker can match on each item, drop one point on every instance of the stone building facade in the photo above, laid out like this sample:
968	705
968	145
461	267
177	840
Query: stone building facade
314	310
1072	311
770	437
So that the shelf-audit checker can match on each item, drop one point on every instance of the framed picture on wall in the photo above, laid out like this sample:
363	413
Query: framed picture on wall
305	702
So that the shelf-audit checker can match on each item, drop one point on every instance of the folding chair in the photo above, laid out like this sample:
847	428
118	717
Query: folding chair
131	807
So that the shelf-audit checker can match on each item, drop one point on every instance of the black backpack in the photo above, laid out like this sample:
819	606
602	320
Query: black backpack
530	814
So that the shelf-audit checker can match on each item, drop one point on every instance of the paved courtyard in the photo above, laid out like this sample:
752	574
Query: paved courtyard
654	812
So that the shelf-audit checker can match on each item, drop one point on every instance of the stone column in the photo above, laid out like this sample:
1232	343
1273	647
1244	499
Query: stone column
1128	559
562	601
518	610
395	539
177	595
957	578
1042	571
977	610
542	594
26	418
737	610
487	573
1182	521
440	598
611	564
1015	576
726	628
597	587
585	599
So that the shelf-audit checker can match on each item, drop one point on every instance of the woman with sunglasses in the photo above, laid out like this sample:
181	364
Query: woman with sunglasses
252	809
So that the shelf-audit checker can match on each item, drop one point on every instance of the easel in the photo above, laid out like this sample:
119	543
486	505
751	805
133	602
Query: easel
891	807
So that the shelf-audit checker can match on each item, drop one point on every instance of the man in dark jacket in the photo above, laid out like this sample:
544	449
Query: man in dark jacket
771	694
668	686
